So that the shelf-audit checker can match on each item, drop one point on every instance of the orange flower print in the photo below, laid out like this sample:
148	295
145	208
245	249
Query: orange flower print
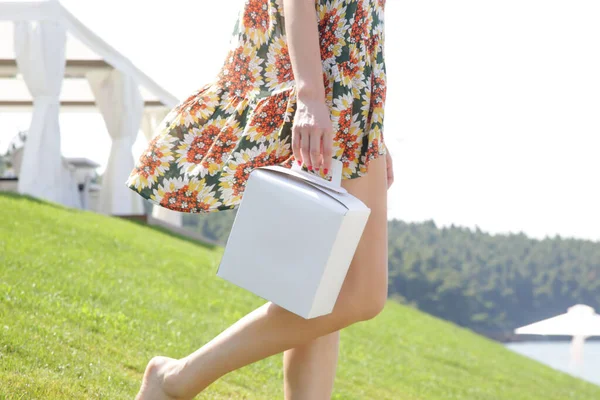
346	141
351	73
349	70
332	27
241	164
190	196
153	163
196	144
378	93
268	116
233	105
372	150
225	142
279	73
365	108
197	108
375	149
237	172
279	152
372	153
360	24
374	45
241	74
328	79
257	21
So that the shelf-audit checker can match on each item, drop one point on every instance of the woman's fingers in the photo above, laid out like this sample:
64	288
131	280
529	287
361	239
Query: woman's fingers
327	151
315	148
312	134
305	146
296	150
321	149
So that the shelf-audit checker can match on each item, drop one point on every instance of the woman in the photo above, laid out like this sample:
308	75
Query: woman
300	89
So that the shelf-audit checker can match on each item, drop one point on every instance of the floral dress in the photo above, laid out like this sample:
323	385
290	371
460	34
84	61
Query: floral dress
206	147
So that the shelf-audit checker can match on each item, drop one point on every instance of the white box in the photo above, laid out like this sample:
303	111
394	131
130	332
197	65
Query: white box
293	238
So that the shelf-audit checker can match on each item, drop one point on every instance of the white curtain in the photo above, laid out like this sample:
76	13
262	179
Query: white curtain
40	56
121	104
152	118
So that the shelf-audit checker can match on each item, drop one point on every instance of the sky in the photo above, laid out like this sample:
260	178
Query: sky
492	114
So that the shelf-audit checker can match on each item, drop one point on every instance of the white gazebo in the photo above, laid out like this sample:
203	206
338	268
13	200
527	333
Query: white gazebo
580	322
60	64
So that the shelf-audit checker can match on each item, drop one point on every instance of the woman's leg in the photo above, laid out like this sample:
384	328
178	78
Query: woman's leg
270	329
309	369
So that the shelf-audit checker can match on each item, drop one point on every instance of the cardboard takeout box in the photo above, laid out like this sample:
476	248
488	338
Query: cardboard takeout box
293	238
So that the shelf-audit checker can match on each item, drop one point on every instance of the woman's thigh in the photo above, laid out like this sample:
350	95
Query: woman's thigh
366	282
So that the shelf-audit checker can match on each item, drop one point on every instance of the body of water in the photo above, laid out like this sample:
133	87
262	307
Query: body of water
558	356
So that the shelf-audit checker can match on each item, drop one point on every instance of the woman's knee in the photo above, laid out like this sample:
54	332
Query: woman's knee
360	305
372	306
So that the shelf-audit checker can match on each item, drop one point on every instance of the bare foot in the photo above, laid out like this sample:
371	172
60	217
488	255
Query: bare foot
154	385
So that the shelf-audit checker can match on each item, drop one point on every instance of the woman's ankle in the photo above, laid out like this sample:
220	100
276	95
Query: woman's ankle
174	380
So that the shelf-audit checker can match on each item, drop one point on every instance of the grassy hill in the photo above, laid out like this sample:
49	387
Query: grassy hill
86	301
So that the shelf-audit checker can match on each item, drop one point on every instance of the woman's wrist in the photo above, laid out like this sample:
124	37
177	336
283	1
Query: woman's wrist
308	92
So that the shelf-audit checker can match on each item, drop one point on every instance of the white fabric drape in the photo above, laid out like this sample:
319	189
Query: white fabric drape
40	56
152	118
121	104
150	123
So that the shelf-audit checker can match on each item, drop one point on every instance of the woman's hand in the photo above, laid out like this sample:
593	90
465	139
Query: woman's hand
390	168
312	135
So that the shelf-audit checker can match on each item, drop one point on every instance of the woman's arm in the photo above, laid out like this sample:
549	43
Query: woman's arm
312	133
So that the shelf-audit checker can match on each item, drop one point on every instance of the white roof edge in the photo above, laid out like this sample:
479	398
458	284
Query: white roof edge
116	59
53	10
30	10
580	320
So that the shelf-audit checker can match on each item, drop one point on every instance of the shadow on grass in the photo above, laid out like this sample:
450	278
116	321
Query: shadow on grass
25	197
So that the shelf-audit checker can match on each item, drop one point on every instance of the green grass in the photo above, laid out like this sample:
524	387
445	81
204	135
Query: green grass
86	301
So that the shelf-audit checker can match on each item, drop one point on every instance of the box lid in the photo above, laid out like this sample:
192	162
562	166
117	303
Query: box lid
336	192
310	178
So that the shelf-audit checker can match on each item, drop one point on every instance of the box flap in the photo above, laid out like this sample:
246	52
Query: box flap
337	193
310	178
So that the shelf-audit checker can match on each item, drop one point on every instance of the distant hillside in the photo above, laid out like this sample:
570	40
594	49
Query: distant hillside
491	284
86	300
